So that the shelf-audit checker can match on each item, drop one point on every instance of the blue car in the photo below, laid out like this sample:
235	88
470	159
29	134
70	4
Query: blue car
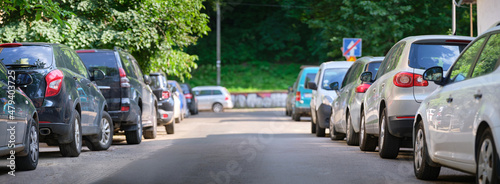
177	89
300	105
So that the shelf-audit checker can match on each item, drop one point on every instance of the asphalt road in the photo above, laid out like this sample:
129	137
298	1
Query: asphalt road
237	146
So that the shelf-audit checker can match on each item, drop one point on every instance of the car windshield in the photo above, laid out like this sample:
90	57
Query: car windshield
423	56
332	75
26	56
104	61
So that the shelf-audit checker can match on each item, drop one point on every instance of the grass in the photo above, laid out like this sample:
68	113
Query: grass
248	77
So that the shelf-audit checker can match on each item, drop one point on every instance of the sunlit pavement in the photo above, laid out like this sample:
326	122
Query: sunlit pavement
237	146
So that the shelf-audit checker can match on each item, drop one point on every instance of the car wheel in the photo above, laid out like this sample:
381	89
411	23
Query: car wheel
217	107
30	161
388	145
422	169
135	136
150	133
177	120
74	148
487	160
287	112
170	128
366	142
106	135
320	132
334	135
352	138
296	117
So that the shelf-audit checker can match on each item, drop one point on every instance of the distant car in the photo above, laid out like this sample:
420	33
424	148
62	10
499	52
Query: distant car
323	93
71	108
177	105
18	117
467	136
132	104
215	98
346	108
177	89
191	100
390	103
165	99
290	99
301	105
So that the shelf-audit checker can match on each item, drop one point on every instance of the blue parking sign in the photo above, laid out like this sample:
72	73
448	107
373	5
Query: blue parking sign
351	47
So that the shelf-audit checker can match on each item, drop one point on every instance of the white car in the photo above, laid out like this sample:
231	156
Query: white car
323	93
458	125
215	98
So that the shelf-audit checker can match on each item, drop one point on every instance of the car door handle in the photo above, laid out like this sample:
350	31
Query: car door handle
449	100
478	96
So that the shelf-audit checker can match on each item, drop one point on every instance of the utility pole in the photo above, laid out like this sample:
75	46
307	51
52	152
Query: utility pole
218	44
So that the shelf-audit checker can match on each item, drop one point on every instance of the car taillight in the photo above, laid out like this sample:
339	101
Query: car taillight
362	88
164	116
406	79
11	45
189	96
54	82
297	96
165	94
125	108
227	98
124	82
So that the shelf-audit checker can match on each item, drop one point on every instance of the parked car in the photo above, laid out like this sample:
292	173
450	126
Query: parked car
191	100
132	104
466	137
177	89
70	107
346	108
165	101
390	103
19	118
177	105
323	93
290	99
215	98
301	105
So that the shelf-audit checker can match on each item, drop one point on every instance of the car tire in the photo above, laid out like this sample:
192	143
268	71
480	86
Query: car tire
170	128
295	116
366	141
320	132
30	161
177	120
313	128
74	148
105	137
287	112
217	107
135	136
421	167
388	144
334	135
352	138
150	133
487	163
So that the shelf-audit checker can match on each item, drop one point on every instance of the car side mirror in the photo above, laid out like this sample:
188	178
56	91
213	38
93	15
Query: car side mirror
97	75
23	79
434	74
311	85
366	77
334	86
147	79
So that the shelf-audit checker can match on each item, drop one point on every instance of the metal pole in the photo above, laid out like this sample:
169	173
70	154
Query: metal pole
218	44
453	18
471	22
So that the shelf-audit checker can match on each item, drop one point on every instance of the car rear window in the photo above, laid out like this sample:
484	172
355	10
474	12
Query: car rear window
332	75
373	68
104	61
28	56
310	77
185	88
423	56
157	81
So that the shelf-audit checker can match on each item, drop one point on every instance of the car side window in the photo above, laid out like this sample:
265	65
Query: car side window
395	57
317	78
79	65
387	59
216	92
348	75
69	61
489	57
205	92
127	65
461	68
138	72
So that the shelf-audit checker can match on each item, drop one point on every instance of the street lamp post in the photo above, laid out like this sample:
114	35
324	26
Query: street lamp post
218	44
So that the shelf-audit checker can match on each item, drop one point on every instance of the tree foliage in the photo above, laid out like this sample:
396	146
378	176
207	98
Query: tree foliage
155	32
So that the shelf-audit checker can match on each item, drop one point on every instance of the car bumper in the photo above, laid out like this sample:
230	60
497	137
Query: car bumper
303	111
58	131
400	126
162	120
228	104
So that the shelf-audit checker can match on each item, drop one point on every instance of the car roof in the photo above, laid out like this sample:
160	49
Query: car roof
436	37
209	87
94	50
370	59
336	64
37	44
311	69
157	73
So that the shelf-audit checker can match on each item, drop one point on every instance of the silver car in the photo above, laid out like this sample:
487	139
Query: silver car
323	93
466	136
215	98
346	108
390	104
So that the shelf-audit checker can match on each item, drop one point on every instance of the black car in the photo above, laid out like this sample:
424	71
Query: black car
70	106
20	120
190	98
165	101
132	104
